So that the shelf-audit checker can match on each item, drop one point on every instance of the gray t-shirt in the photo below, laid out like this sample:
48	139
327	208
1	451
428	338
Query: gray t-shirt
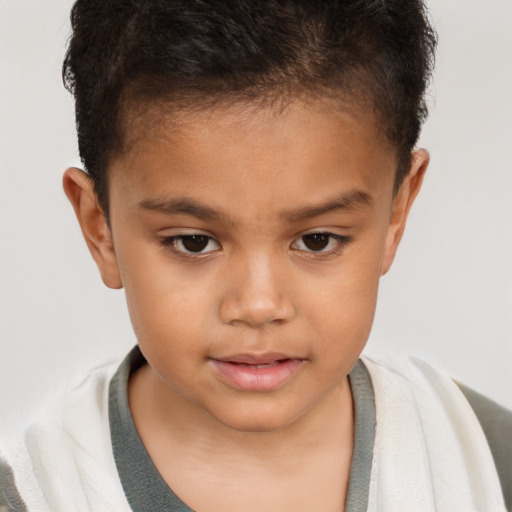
145	489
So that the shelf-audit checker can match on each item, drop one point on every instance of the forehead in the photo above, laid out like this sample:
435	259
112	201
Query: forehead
295	152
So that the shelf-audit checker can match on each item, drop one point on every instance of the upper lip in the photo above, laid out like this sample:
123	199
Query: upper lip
266	358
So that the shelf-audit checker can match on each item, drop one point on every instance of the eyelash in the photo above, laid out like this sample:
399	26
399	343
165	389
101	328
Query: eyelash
172	242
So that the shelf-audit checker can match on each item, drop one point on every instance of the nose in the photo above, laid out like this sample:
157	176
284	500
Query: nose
257	294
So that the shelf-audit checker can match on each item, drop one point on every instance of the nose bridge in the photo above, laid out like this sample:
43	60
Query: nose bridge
257	294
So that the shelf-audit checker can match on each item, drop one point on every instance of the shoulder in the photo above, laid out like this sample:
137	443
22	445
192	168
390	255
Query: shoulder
467	425
64	456
496	422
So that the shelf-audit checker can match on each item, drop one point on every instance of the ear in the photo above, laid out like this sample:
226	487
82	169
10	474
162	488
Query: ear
402	204
78	187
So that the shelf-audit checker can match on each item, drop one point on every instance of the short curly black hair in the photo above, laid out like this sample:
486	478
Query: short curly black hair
126	51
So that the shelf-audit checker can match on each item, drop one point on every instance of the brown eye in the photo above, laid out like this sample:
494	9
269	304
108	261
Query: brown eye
195	243
316	241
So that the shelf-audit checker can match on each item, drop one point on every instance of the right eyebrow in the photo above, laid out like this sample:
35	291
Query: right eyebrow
181	206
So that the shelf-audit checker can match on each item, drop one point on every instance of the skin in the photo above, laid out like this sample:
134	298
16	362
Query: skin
267	179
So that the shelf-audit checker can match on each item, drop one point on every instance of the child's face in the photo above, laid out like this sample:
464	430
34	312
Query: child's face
250	245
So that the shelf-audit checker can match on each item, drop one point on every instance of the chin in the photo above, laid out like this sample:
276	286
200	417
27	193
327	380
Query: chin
254	420
252	427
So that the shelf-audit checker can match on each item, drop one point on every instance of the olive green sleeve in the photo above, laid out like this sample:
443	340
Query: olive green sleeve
496	422
10	500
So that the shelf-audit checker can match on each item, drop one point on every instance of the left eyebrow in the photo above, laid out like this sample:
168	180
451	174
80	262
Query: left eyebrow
349	201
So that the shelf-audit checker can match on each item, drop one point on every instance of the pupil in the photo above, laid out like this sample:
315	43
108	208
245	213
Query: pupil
195	243
316	241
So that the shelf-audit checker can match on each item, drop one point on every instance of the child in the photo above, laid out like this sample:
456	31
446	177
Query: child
251	167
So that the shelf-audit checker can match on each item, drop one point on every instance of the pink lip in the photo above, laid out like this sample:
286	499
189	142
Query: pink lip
257	373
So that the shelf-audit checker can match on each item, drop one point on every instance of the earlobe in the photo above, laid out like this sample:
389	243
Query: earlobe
402	204
80	192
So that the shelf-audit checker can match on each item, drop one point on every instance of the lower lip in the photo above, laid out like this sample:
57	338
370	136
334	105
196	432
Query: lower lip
257	377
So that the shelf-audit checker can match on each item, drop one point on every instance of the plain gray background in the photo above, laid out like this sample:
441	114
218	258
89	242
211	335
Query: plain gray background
448	298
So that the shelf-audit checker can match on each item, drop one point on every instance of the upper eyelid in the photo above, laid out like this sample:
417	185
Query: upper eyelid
330	234
187	235
174	232
166	237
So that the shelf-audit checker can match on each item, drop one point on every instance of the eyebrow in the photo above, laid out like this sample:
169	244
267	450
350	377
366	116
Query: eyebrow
181	206
352	200
349	201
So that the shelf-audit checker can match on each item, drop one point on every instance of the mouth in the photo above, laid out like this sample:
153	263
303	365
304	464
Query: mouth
265	372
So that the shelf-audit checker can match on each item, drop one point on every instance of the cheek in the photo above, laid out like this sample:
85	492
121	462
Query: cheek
345	321
345	310
163	303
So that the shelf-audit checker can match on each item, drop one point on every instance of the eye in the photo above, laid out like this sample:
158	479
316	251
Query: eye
192	244
320	242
